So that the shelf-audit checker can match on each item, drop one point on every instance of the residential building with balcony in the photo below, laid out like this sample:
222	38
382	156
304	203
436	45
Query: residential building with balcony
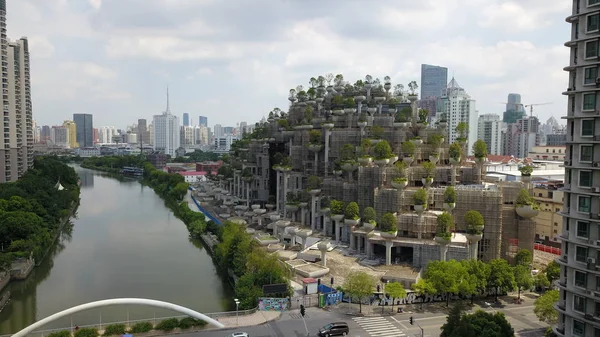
549	223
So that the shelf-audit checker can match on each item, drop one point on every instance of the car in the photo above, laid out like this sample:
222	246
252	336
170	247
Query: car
239	334
334	329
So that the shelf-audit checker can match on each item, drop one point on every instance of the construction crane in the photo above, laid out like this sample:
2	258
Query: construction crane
530	106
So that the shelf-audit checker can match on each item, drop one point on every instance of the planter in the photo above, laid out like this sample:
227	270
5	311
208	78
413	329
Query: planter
413	97
325	210
314	192
327	126
311	102
441	240
392	110
448	207
474	237
303	204
526	211
349	167
291	208
337	217
389	235
454	161
480	160
371	110
338	112
351	222
315	147
420	208
399	185
362	124
417	142
379	99
358	99
399	125
368	226
434	159
427	181
408	160
338	172
365	160
443	125
393	159
349	111
382	162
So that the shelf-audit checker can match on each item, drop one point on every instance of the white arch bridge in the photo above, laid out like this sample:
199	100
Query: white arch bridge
118	301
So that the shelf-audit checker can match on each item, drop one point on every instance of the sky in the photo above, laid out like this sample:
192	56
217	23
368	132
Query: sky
235	60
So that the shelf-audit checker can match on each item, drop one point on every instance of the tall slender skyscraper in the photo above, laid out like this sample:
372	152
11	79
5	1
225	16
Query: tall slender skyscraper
166	131
203	121
514	109
186	119
433	84
85	129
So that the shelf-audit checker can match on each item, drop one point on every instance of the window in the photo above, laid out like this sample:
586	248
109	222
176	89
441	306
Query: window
587	128
593	22
584	204
591	49
593	2
589	101
590	75
579	303
581	254
586	153
583	229
580	279
578	328
585	178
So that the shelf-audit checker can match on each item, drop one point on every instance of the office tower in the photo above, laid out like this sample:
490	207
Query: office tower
143	132
218	131
45	133
514	109
459	107
520	137
106	134
186	119
166	131
59	136
228	130
72	129
203	121
579	281
187	136
433	84
85	129
489	129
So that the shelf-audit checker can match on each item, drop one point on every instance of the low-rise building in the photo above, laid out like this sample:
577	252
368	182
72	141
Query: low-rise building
193	176
556	153
548	223
87	152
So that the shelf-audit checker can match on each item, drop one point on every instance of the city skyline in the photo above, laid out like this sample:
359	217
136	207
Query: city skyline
117	79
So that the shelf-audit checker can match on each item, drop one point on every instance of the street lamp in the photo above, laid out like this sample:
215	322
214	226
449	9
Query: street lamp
237	316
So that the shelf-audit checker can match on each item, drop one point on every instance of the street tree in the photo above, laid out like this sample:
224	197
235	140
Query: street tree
523	279
359	285
423	288
395	290
478	324
453	319
446	277
544	307
541	281
523	257
479	273
552	271
502	278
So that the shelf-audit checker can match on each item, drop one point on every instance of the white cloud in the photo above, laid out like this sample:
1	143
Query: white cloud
40	47
93	70
96	4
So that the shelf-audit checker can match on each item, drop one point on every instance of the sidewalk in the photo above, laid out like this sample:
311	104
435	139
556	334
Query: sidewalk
257	318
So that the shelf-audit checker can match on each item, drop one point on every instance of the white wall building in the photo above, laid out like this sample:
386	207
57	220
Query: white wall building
166	135
489	129
88	152
459	107
188	136
106	134
59	135
224	143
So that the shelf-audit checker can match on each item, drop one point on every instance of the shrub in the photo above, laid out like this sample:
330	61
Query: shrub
480	149
403	115
337	207
188	322
314	182
315	136
369	215
435	140
349	102
420	197
382	150
450	195
455	151
347	153
400	180
475	222
352	211
445	223
365	147
524	199
400	167
377	132
325	202
526	170
388	223
114	329
362	117
408	148
283	123
141	327
429	168
62	333
86	332
167	325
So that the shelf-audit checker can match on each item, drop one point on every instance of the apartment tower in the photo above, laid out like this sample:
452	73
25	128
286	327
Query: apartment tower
579	283
166	137
85	129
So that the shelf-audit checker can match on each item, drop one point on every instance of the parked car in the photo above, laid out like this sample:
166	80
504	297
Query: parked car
239	334
334	329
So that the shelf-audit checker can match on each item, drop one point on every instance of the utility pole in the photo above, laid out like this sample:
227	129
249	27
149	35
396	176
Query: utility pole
413	322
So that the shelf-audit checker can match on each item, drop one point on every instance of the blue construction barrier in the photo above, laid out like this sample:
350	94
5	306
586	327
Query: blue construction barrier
206	214
325	289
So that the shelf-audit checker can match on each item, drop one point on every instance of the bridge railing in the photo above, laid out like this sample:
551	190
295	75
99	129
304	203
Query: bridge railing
131	322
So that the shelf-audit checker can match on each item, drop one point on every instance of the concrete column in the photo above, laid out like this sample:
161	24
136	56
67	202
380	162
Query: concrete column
420	220
326	159
290	149
337	231
324	229
313	212
316	162
352	241
274	230
474	247
388	252
285	190
453	170
302	215
368	249
324	258
248	194
443	252
278	187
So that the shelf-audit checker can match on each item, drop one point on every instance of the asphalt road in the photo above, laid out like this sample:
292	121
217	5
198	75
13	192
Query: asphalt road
290	324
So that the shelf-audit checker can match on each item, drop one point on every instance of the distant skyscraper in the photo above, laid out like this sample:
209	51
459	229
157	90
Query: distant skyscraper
489	129
85	129
514	109
45	133
186	119
166	132
72	129
203	121
459	107
433	80
142	131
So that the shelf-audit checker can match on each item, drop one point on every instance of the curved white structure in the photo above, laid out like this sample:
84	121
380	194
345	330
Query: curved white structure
117	301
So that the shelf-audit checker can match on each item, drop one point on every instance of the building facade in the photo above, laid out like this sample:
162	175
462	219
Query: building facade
549	223
459	107
166	132
203	121
72	129
579	284
59	136
186	119
489	128
85	129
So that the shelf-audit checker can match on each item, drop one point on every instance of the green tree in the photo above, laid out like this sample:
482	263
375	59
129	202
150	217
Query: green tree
544	307
501	277
359	285
523	258
453	319
552	271
523	279
481	323
395	290
446	277
541	281
479	274
423	288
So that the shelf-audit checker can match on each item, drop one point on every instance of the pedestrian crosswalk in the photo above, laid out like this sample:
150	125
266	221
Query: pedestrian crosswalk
378	327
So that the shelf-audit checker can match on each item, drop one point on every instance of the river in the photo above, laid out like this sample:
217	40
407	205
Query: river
124	242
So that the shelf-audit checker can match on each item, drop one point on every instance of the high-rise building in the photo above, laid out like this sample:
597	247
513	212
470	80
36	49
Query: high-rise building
579	281
514	109
106	134
72	129
143	132
218	131
59	136
489	129
433	84
166	132
203	121
45	133
85	129
519	138
186	119
187	136
459	107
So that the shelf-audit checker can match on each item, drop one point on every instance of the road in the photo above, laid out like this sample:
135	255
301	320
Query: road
290	324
